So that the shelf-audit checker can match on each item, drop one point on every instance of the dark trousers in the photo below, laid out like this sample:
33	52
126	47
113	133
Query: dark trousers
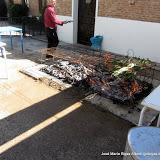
52	37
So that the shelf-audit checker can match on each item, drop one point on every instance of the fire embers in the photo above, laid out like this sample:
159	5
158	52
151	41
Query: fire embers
71	73
119	90
135	88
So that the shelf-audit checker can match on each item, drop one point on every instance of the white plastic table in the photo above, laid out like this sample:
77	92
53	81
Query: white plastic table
152	101
11	29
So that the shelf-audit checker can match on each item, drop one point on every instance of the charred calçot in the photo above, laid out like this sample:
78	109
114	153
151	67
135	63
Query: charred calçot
71	73
100	80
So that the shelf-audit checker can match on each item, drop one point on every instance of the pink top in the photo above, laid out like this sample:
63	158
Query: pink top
50	18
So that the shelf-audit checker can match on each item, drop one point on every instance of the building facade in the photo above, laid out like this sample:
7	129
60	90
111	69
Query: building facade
128	26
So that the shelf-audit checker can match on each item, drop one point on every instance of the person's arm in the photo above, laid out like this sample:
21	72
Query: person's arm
54	18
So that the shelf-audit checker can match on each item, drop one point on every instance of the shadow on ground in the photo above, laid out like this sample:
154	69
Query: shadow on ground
82	134
38	133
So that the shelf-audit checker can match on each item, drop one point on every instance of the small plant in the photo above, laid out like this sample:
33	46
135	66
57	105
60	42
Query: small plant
18	10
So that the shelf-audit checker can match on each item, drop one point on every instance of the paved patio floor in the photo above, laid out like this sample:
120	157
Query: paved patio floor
41	123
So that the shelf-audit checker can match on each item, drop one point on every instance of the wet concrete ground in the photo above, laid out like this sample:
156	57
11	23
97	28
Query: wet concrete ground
42	123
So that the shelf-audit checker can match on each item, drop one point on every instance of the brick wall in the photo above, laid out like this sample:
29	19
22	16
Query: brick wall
34	7
145	10
17	1
64	7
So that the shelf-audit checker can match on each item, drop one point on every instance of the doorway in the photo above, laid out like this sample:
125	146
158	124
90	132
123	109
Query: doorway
86	21
3	10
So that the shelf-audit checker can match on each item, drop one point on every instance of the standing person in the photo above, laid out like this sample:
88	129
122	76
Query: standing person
51	21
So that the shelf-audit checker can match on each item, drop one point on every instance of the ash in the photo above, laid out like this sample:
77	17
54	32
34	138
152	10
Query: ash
71	73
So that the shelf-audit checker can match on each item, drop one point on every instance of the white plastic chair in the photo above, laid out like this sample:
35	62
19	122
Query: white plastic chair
3	54
143	144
